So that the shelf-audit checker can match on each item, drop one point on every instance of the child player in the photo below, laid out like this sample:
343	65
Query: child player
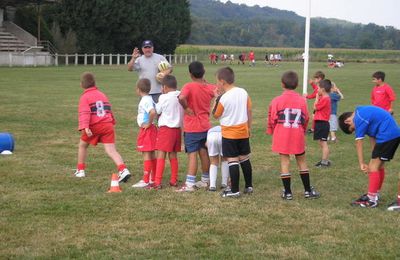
234	114
384	134
322	108
314	82
335	96
287	123
96	122
169	131
195	98
382	95
147	136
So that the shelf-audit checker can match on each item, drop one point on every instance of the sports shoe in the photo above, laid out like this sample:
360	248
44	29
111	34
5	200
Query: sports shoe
201	184
124	175
80	173
153	187
321	164
395	206
313	194
212	189
140	184
360	200
286	196
230	194
365	202
248	190
185	188
223	186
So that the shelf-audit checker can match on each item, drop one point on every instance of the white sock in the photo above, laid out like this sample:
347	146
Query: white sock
213	175
224	172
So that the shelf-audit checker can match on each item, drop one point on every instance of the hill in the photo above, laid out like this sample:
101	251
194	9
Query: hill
216	23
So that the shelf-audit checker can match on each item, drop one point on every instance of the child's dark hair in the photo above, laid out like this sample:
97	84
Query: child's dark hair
290	80
379	75
144	85
345	127
319	74
227	74
326	84
87	80
196	68
170	81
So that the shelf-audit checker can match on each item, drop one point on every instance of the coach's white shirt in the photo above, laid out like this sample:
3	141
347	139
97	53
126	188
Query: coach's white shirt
170	109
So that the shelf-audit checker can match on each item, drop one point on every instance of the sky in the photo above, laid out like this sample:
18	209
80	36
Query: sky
380	12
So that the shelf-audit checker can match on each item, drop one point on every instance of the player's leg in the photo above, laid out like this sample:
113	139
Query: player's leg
309	191
82	154
247	170
173	160
123	172
374	181
205	167
286	176
214	162
147	165
153	166
159	168
224	173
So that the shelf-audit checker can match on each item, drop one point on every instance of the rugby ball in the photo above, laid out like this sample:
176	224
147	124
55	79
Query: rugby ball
163	65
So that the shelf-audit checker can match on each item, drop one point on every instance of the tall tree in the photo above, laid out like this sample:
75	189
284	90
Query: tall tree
111	26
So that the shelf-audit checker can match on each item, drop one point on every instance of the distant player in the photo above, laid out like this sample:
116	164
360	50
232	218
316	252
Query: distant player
287	123
382	95
384	134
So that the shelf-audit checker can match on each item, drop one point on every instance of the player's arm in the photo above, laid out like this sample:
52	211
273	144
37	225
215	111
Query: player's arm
135	55
392	98
83	114
360	155
183	101
152	116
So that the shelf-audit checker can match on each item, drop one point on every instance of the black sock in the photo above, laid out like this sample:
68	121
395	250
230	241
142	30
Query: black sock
286	182
247	172
305	178
234	174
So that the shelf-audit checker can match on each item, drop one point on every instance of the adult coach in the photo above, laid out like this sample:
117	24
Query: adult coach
147	66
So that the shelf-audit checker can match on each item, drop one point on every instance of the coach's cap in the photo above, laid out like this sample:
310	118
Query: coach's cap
147	43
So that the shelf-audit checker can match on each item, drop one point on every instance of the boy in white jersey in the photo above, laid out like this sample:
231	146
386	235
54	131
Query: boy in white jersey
169	132
146	140
234	113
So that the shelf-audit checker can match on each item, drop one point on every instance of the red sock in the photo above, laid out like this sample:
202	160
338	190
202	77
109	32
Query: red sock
381	178
146	170
174	170
80	166
159	171
153	169
121	167
374	181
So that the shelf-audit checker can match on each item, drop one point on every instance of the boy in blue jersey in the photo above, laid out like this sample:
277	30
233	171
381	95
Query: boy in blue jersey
384	134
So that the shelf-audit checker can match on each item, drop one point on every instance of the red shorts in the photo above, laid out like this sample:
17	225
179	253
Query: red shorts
146	140
169	139
102	133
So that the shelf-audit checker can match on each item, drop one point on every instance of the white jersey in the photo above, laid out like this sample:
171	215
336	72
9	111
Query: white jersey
170	109
146	104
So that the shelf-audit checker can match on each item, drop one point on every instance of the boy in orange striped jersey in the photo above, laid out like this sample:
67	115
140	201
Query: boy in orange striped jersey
234	113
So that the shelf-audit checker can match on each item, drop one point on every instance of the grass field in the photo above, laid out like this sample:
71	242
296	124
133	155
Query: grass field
47	213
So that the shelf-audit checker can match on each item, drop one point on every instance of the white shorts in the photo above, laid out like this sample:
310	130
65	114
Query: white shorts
333	123
214	143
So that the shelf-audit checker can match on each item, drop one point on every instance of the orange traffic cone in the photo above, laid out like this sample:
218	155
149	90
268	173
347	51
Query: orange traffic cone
114	184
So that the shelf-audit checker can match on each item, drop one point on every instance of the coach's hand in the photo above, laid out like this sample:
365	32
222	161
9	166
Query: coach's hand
88	132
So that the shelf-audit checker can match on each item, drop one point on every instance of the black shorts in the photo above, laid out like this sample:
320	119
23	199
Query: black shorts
235	147
385	151
321	130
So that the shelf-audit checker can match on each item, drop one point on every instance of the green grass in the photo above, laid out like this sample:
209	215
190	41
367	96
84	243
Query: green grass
47	213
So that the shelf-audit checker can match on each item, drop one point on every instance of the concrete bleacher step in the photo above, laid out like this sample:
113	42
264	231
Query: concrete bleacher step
10	43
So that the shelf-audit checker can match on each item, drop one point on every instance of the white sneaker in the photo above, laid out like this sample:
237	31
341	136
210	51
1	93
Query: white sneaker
201	184
140	184
124	175
80	173
186	188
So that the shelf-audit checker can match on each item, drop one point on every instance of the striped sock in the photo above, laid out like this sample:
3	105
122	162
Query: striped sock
205	177
190	180
285	177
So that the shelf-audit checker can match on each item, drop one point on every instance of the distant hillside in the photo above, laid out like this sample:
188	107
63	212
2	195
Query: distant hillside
216	23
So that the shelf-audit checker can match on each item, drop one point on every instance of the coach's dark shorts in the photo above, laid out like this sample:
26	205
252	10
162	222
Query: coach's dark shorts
235	147
195	141
321	130
385	151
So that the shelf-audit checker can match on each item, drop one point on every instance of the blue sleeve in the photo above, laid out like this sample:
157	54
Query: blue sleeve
361	127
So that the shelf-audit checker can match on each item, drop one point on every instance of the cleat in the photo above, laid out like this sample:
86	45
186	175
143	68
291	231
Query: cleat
201	184
320	164
124	175
223	186
230	194
140	184
395	206
286	196
153	187
369	204
185	188
80	173
248	190
360	200
313	194
212	189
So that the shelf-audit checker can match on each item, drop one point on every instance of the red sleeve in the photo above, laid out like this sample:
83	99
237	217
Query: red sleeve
390	93
271	121
314	93
84	113
184	91
372	96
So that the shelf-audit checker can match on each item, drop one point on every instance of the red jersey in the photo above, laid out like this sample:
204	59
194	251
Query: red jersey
314	93
323	109
198	96
383	96
94	108
287	122
251	56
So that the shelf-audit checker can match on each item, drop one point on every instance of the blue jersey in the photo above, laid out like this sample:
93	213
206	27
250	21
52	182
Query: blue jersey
375	122
335	98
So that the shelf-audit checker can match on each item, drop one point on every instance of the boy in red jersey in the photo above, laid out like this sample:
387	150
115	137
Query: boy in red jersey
96	122
318	76
146	139
287	123
195	98
382	95
322	108
169	132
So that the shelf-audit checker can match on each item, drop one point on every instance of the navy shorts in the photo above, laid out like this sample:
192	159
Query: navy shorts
195	141
321	130
235	147
385	151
